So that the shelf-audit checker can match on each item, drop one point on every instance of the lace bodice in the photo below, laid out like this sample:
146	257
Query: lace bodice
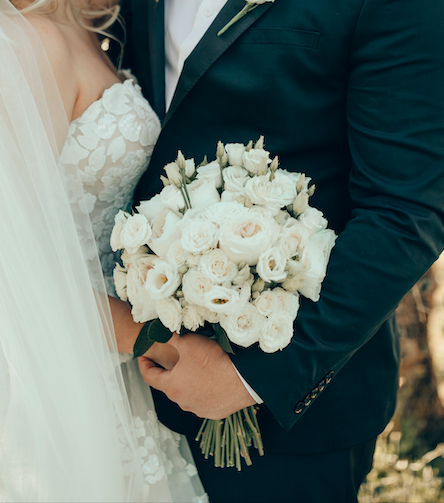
106	152
110	144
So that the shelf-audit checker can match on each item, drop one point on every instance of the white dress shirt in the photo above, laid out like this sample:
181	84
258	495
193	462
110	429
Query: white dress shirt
186	22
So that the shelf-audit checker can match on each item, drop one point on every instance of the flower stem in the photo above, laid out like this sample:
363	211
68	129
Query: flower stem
248	7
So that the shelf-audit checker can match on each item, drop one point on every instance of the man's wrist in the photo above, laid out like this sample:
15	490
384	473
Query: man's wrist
250	390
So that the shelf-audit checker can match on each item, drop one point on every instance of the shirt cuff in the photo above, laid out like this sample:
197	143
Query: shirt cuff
250	390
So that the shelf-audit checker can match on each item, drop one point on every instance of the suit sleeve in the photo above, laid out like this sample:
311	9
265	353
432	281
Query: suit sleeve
395	116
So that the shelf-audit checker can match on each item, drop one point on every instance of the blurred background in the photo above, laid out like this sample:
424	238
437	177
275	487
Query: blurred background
409	458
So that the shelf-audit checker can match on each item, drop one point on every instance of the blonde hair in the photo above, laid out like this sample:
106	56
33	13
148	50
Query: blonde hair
102	16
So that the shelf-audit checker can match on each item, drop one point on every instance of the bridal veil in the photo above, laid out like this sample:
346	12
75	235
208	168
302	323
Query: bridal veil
66	432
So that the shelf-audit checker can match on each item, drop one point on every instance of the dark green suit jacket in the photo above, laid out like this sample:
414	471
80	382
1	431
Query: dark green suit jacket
350	92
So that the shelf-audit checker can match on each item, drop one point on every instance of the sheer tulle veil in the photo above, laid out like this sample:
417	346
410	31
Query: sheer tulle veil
66	432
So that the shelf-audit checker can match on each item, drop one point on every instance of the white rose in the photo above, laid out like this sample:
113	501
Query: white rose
227	300
202	193
136	278
195	285
176	254
190	167
135	233
235	152
256	161
235	179
267	303
132	258
172	198
318	249
210	172
272	195
169	312
288	302
217	266
293	238
293	176
151	208
192	317
119	276
199	236
222	212
246	237
245	327
208	315
271	266
143	312
162	280
166	230
119	223
313	220
276	334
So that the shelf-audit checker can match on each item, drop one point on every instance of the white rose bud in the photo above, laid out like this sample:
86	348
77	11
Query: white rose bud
180	161
258	285
173	174
235	152
260	143
292	283
169	311
202	193
300	204
276	333
300	184
165	181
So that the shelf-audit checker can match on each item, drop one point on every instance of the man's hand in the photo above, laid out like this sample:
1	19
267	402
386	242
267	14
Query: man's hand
203	381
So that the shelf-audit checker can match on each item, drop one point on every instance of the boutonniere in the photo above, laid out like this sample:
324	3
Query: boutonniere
252	4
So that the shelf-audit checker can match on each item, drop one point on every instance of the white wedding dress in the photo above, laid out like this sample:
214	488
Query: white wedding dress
110	146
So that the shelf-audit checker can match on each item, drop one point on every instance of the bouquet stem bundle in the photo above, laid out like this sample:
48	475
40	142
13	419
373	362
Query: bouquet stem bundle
230	439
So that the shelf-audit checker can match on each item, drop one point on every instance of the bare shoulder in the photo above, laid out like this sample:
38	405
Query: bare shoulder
60	56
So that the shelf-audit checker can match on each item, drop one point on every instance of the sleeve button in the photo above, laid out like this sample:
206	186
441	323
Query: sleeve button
299	408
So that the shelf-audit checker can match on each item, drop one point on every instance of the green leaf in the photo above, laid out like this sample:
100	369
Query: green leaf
222	338
152	331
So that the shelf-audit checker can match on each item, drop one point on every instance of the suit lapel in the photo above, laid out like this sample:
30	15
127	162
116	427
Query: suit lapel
156	41
211	47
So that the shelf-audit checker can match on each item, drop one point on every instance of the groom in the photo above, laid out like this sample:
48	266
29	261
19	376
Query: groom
352	94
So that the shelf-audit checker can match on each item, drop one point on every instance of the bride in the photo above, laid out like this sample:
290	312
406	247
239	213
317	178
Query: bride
77	423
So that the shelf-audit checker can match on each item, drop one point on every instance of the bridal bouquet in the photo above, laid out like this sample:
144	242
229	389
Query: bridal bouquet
227	245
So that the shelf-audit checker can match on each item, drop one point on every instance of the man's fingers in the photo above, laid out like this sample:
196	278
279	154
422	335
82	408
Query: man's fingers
153	375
